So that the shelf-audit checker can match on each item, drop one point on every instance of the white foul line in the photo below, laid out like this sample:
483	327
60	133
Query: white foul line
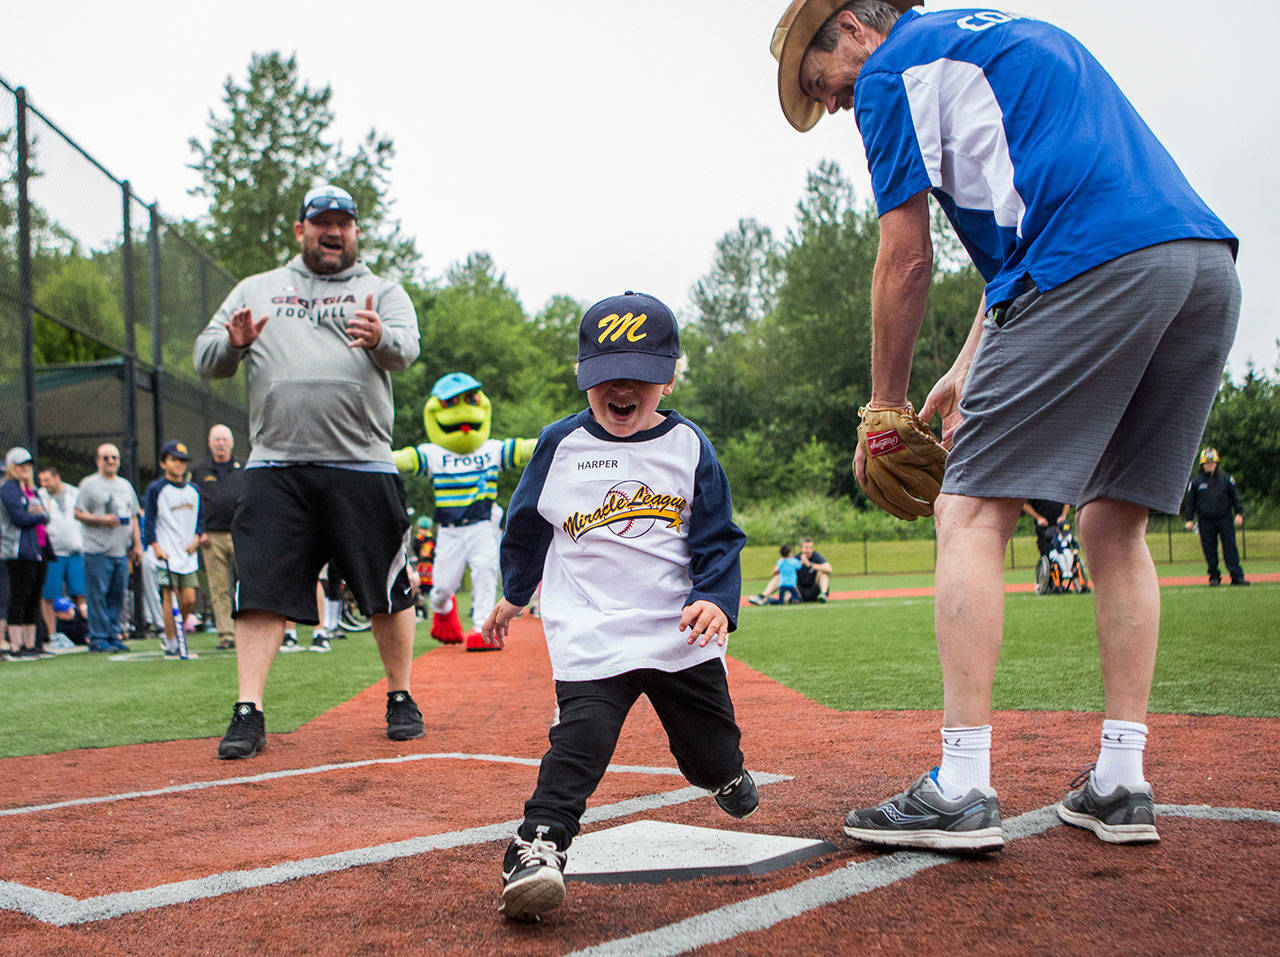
318	769
859	877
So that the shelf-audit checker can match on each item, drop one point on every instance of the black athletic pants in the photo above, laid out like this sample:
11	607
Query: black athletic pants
1211	529
693	706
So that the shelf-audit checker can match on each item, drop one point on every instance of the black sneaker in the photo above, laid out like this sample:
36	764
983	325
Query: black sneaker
246	735
757	599
1239	581
290	644
738	798
822	596
404	720
920	817
320	643
532	877
1125	816
1215	582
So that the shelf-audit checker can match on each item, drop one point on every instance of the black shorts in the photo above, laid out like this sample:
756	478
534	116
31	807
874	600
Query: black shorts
292	520
809	592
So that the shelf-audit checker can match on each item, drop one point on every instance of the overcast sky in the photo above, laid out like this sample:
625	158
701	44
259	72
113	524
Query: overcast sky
597	145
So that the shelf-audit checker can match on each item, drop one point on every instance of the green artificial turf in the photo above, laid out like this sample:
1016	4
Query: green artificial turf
1219	652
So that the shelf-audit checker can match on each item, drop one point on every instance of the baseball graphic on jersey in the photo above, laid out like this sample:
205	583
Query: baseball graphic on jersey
619	497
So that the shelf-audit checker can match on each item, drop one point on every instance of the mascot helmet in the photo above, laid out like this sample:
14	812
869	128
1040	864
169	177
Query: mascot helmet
458	416
1208	455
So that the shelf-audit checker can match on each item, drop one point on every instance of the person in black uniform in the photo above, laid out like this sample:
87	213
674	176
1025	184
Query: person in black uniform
1212	498
220	482
1047	515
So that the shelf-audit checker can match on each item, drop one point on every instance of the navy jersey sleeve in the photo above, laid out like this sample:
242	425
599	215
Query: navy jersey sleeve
528	534
714	540
200	513
149	512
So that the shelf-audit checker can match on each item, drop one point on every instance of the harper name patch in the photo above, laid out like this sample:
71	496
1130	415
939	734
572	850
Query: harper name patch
596	466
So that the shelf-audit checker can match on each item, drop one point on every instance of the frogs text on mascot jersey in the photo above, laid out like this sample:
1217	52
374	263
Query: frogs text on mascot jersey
458	416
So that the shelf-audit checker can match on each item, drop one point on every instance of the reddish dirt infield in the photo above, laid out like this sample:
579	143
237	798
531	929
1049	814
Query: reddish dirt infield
1208	887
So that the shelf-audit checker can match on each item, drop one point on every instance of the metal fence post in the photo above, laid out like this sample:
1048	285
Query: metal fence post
130	443
1169	529
157	350
865	566
27	305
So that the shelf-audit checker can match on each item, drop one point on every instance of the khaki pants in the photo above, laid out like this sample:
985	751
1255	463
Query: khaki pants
219	559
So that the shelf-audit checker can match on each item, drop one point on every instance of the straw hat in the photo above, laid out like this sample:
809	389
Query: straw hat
795	31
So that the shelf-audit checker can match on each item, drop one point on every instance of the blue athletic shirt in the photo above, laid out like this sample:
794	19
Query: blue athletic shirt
1040	162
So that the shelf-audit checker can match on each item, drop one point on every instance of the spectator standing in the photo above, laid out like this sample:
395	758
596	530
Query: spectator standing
1047	515
319	338
1078	219
108	511
220	482
1213	504
24	544
65	573
173	525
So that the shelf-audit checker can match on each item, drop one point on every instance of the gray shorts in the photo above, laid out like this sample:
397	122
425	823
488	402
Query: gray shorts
1100	387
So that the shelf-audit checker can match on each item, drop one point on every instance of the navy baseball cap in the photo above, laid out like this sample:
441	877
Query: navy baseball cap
632	336
324	198
176	449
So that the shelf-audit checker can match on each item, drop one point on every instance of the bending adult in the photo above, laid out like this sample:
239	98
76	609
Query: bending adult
319	339
1079	220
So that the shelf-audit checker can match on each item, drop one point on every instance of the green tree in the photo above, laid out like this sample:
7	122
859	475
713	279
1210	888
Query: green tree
1244	426
263	152
77	295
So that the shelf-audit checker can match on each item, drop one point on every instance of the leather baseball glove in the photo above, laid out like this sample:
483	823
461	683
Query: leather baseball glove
905	461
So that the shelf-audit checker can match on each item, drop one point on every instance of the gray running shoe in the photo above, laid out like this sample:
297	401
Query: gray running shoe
757	599
920	817
1122	817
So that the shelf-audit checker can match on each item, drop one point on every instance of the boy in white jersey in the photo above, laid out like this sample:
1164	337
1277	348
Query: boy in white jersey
173	524
624	514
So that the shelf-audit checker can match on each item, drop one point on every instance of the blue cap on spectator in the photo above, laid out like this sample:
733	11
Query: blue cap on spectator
176	449
17	456
63	604
324	198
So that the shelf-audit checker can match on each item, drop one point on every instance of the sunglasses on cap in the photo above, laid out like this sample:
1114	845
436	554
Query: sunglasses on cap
324	202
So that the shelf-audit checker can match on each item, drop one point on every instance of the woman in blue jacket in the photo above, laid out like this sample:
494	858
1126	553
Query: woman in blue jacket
22	545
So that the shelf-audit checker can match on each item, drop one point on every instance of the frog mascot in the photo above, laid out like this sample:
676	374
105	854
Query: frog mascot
463	463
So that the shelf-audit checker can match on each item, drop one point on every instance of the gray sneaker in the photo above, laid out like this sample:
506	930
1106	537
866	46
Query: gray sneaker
920	817
1122	817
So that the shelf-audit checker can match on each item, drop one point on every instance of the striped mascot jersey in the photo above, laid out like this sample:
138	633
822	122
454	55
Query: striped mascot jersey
466	486
624	533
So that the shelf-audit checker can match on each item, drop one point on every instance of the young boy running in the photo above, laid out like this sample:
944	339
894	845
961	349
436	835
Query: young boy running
624	514
172	526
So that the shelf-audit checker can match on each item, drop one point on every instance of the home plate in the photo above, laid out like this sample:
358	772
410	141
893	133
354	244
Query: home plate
652	852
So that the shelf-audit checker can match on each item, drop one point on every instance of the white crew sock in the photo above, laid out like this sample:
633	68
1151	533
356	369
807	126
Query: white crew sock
1120	757
966	761
332	609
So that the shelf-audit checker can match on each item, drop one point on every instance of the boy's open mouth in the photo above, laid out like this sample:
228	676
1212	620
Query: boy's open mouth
621	411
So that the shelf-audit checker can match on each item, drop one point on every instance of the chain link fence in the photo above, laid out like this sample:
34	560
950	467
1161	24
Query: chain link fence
101	300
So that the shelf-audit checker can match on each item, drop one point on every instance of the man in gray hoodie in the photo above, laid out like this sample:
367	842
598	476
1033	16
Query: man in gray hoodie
319	339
